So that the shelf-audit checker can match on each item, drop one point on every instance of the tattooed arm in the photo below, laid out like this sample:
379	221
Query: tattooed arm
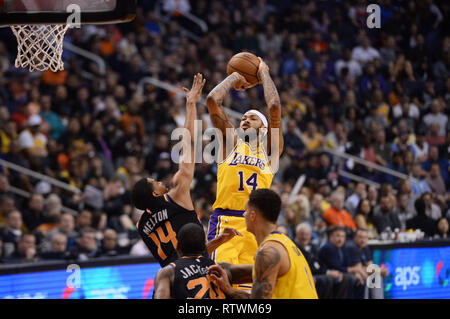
267	266
214	102
273	102
238	274
216	96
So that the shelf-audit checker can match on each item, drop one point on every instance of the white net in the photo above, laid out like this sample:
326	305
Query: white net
40	47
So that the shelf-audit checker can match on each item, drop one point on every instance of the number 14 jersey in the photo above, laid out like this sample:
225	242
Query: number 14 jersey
158	228
245	169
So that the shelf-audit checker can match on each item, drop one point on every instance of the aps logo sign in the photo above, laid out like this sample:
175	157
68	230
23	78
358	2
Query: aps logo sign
415	275
407	276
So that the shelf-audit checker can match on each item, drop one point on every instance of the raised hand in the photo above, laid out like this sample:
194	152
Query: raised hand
196	91
228	233
241	83
263	67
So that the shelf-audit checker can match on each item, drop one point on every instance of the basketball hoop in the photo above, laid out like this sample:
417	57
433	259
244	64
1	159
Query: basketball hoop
40	47
40	26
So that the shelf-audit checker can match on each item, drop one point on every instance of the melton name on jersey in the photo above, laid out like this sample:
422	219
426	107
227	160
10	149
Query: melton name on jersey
158	228
154	220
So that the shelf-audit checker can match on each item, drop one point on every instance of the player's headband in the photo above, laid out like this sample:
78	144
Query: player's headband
260	115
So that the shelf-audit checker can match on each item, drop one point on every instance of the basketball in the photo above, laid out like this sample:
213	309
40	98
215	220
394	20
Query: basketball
246	64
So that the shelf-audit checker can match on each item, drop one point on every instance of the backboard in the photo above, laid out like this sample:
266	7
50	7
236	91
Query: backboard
40	26
29	12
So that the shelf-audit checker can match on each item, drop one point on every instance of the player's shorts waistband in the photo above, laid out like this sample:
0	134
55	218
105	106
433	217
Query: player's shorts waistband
215	222
228	212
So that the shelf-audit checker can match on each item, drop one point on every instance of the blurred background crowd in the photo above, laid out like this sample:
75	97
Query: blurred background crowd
379	94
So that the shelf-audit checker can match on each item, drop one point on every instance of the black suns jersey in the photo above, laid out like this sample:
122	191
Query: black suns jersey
190	280
158	228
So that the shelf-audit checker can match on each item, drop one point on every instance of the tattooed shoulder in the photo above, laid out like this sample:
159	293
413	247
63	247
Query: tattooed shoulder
266	258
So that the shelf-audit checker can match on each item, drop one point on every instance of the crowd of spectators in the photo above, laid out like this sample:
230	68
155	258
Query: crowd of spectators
379	94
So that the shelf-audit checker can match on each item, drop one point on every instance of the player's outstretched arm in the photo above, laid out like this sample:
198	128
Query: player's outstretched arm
238	274
163	282
183	178
227	234
273	103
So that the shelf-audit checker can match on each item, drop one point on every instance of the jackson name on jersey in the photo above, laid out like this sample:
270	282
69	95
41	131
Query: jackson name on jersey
192	270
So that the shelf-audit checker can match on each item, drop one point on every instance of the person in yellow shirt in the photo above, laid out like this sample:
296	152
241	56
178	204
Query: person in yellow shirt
312	139
7	134
32	141
280	271
247	166
382	108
